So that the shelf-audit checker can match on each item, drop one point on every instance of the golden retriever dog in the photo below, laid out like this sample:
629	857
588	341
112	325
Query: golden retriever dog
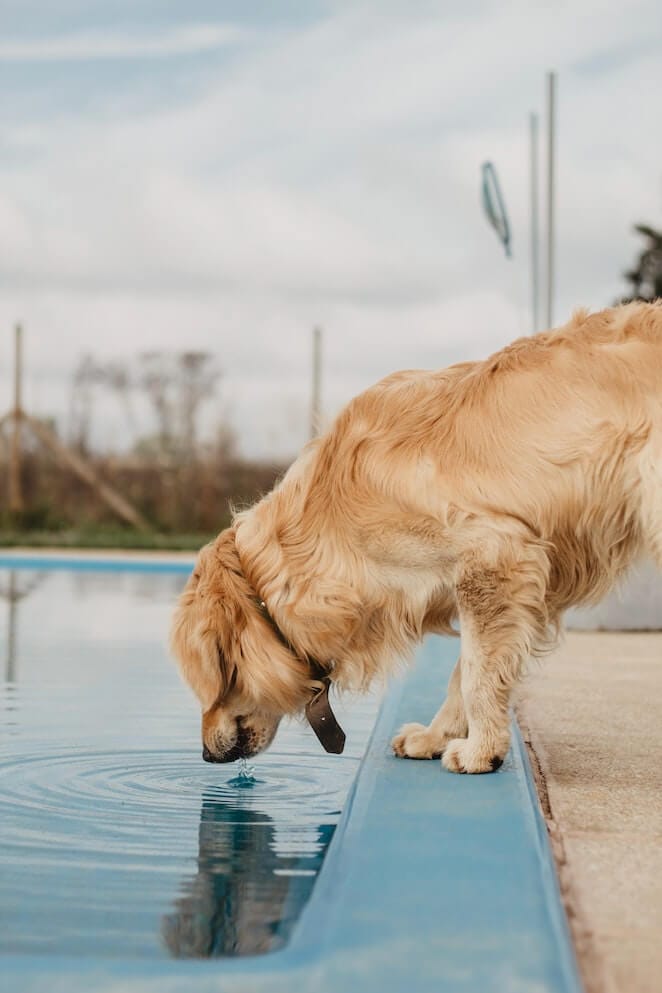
490	495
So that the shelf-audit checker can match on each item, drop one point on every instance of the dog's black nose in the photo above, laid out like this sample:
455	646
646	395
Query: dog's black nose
236	752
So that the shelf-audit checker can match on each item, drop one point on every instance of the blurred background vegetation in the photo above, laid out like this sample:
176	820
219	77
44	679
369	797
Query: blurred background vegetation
181	485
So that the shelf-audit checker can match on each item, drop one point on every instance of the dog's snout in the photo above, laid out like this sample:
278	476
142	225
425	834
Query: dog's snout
236	752
239	750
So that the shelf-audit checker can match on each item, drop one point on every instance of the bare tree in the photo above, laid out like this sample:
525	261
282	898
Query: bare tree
118	379
86	376
157	380
176	387
196	382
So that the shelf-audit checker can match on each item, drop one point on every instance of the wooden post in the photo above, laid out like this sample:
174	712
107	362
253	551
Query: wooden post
316	402
15	491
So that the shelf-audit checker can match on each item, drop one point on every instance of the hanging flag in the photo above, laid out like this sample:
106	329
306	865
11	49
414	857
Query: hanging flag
494	206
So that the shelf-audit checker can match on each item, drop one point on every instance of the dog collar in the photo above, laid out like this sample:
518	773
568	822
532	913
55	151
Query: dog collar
321	718
318	709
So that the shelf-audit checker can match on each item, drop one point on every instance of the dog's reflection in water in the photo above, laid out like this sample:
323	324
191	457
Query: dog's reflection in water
245	898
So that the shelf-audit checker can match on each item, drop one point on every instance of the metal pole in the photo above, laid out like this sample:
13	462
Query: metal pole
551	141
533	133
15	492
316	403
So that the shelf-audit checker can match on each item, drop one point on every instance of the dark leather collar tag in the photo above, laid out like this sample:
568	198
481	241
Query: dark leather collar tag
323	721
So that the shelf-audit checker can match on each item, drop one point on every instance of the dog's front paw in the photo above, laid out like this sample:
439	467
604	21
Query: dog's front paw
416	741
465	755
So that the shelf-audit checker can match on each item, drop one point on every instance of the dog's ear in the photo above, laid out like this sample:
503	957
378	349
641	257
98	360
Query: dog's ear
274	676
194	641
195	648
223	641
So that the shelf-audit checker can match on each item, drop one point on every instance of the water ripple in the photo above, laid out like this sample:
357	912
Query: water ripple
130	801
117	838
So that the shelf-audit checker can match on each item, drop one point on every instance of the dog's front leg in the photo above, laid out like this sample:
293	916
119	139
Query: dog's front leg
503	619
487	681
418	741
503	616
495	644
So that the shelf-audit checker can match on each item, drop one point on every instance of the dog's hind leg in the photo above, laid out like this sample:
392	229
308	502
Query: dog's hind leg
418	741
503	618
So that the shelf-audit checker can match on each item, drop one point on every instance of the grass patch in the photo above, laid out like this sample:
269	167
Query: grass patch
122	539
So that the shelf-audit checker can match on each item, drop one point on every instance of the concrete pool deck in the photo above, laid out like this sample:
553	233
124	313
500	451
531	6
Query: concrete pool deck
592	715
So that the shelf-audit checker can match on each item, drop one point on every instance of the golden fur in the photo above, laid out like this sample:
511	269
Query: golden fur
491	494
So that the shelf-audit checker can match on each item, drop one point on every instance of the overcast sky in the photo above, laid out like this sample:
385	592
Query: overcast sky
225	175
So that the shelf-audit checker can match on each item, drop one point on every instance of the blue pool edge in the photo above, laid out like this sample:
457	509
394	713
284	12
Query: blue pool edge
529	947
99	562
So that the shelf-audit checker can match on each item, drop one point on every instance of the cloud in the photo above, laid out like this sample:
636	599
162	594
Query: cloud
184	40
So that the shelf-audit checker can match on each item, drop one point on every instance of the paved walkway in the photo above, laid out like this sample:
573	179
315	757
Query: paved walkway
592	715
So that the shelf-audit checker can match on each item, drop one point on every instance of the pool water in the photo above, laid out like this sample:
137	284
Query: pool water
117	839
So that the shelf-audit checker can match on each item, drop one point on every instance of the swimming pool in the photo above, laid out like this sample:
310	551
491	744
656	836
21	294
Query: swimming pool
117	839
127	864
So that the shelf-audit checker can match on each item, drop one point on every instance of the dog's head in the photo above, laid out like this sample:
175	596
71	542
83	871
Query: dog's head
245	676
